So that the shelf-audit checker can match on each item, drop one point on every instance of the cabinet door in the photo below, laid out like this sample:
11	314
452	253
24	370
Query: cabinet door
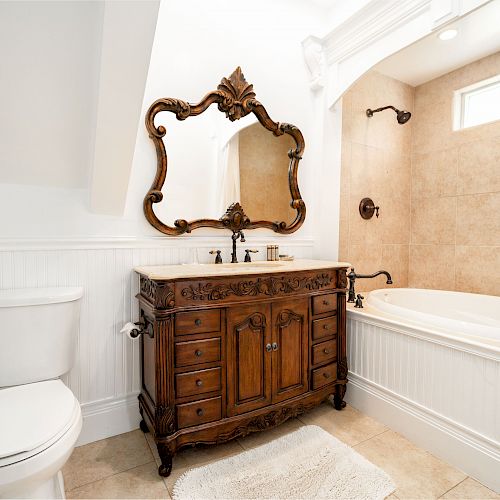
290	348
248	359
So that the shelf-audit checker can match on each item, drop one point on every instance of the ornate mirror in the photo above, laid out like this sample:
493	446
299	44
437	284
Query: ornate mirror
224	175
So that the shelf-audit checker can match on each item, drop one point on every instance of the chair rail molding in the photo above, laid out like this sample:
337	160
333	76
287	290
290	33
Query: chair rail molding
376	31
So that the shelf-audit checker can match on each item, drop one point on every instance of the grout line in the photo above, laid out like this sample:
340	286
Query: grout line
447	491
110	475
371	437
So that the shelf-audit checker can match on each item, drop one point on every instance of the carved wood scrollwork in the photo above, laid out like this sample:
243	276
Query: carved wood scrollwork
234	97
270	287
159	294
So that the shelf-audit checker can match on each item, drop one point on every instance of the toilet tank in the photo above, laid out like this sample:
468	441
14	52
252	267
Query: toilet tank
38	333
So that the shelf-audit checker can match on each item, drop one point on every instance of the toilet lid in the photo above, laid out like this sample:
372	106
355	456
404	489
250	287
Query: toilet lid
33	414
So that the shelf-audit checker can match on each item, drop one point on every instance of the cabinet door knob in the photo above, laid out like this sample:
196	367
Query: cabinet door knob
198	352
326	351
326	375
269	347
275	346
197	322
199	383
199	412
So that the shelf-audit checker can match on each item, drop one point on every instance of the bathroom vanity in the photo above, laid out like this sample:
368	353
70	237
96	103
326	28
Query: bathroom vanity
231	349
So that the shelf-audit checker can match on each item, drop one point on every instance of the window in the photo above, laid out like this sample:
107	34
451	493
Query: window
476	104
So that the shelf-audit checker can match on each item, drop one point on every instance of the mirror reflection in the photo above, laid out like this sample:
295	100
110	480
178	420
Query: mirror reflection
213	163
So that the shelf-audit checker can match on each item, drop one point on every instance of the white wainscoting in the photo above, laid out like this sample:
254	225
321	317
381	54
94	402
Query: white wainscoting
105	378
442	396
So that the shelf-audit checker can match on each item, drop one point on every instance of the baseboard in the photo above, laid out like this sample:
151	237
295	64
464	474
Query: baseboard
476	455
109	417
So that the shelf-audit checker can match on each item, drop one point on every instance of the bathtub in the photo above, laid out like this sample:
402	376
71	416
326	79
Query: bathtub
427	364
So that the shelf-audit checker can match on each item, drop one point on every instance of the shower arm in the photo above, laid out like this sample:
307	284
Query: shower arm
369	112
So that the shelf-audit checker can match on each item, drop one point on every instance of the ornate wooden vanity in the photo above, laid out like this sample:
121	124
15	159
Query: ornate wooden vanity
230	349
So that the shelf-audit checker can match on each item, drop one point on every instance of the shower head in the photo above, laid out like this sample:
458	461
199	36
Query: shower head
402	116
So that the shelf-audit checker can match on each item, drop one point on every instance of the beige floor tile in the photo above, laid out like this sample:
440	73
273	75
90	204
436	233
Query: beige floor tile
348	425
101	459
139	482
196	457
470	489
417	473
258	438
152	444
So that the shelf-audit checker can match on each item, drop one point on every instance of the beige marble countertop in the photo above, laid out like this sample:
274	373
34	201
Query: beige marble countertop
242	268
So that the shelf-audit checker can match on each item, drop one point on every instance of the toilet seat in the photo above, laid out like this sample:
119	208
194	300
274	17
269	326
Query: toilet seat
33	418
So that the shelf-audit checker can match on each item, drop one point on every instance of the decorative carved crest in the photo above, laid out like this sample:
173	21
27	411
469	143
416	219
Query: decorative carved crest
238	95
235	218
236	98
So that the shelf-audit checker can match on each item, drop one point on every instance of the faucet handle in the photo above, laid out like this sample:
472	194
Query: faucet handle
247	254
218	258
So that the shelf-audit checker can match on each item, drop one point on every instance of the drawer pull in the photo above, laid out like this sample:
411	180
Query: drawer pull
326	327
199	383
197	322
198	352
269	347
275	346
199	412
326	375
327	351
326	303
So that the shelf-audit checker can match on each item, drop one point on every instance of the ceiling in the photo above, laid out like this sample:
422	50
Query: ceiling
429	58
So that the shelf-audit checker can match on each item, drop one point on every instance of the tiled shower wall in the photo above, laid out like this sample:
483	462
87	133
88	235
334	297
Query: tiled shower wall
438	189
376	163
455	202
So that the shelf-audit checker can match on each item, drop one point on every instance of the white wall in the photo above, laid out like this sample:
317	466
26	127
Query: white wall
48	235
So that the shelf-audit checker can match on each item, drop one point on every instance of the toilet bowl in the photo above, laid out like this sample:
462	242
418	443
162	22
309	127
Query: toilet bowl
40	418
39	426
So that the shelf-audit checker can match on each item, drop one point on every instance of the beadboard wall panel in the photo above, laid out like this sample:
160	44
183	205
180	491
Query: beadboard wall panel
105	378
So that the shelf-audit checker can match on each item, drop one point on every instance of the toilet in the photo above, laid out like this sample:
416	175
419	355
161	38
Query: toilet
40	418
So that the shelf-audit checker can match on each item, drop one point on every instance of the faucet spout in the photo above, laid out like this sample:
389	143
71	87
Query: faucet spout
352	279
234	237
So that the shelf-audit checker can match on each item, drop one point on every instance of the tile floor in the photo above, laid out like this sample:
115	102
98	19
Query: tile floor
125	466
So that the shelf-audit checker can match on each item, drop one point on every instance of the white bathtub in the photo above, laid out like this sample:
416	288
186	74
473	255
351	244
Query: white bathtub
427	363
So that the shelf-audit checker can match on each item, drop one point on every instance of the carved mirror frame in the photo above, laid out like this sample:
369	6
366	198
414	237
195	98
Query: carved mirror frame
234	97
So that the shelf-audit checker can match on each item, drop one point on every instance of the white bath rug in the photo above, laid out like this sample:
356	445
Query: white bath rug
305	464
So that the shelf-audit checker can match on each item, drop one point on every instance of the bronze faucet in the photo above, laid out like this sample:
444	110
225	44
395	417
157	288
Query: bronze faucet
234	237
352	278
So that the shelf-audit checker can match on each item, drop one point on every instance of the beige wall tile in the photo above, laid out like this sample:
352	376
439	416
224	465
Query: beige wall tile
103	458
433	220
417	474
479	167
395	260
139	482
478	219
434	174
366	171
432	266
394	218
470	489
478	269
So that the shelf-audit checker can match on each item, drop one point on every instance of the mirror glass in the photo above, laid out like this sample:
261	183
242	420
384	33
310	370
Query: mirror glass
213	163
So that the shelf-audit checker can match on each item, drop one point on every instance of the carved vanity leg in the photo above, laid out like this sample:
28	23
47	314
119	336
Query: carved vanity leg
338	397
166	460
144	427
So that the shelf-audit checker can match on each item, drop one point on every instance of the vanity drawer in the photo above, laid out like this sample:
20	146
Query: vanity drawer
324	303
199	412
198	382
325	327
326	351
324	375
197	351
187	323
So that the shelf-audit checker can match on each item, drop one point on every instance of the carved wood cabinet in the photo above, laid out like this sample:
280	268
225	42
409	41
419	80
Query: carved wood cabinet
227	354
